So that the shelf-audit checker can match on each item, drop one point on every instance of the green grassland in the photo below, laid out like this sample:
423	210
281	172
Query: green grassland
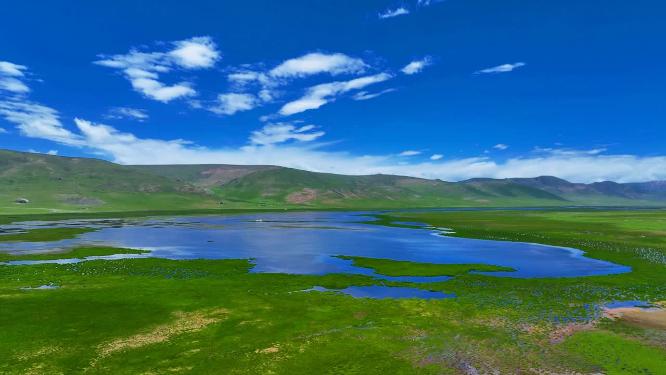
153	315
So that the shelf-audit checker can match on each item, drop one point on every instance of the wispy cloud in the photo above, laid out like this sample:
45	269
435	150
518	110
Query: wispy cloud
118	113
569	151
504	68
390	13
416	66
500	146
410	153
37	121
267	83
10	78
319	95
316	63
10	69
143	69
282	132
31	119
436	156
364	95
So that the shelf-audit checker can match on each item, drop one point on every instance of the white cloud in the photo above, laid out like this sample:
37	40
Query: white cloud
390	13
500	146
425	3
410	153
319	95
316	63
197	52
10	75
228	104
10	69
52	152
283	132
436	156
118	113
13	85
416	66
142	69
583	167
569	151
505	68
267	83
364	95
37	121
3	131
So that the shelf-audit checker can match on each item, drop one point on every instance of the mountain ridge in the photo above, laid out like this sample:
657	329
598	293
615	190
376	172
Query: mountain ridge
71	183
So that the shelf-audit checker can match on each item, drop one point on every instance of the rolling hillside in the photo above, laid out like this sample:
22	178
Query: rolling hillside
53	183
60	183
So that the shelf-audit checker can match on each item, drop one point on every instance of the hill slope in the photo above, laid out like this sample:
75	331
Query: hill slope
54	182
74	184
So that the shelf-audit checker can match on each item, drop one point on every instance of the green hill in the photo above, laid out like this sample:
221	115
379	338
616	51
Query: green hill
73	184
54	183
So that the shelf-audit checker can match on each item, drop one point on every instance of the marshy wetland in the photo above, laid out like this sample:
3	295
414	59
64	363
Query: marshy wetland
336	292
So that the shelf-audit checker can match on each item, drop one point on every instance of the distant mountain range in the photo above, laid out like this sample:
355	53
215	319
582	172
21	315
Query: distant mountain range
49	182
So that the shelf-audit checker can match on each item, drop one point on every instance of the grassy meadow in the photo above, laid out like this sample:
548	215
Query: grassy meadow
157	316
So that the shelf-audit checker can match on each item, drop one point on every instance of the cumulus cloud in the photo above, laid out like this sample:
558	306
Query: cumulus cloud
364	95
195	53
416	66
390	13
228	104
143	69
500	146
436	156
410	153
118	113
282	132
319	95
504	68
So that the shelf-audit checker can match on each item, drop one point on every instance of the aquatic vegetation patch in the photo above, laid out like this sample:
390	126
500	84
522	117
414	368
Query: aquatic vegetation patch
44	234
78	252
389	267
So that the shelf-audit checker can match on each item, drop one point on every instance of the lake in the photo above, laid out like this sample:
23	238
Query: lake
306	243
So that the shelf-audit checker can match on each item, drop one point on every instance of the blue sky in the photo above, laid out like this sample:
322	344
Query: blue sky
439	89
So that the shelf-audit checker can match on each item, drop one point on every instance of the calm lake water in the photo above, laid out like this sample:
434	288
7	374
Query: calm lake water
305	243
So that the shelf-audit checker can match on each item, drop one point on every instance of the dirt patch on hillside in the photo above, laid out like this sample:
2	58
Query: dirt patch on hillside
79	200
304	196
560	333
185	322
